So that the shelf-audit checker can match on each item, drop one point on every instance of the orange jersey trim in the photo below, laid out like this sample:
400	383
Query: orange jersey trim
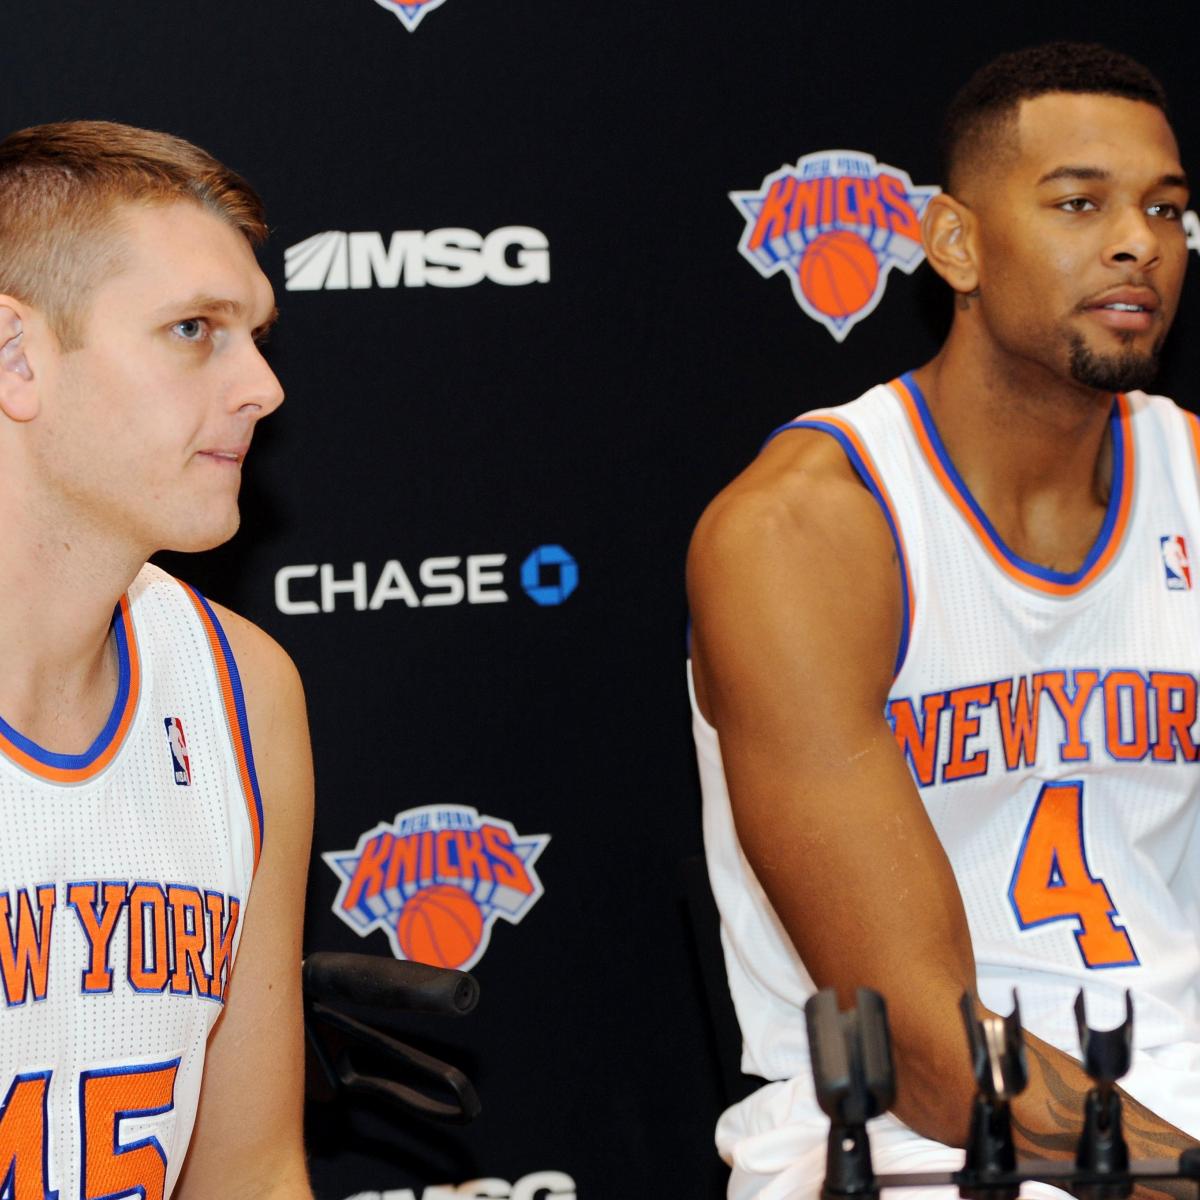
233	701
1041	579
79	768
860	459
1193	424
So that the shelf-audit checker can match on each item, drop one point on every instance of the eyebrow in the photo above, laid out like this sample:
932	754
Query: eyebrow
204	305
1101	175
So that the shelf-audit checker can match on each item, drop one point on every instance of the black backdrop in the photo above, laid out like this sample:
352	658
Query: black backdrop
595	411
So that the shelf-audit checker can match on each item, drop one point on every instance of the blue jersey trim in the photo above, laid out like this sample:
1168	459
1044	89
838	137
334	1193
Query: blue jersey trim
867	476
239	701
75	762
1045	573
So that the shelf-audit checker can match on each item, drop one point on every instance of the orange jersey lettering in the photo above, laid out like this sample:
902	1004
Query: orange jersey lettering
964	724
1017	704
223	914
918	740
1071	707
1126	740
25	950
23	1138
98	914
1174	724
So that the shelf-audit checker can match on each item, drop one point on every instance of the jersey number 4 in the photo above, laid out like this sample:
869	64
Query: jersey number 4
109	1168
1052	881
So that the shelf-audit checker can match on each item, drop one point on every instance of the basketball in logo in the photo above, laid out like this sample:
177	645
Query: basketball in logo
440	925
834	225
838	273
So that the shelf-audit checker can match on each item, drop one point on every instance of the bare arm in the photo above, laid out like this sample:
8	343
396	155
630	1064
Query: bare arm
253	1149
796	602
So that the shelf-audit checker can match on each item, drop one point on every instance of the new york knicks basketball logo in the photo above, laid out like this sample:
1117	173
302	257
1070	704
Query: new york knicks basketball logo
410	12
836	223
436	880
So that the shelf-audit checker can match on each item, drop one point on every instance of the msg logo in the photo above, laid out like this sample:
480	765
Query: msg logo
541	1185
446	258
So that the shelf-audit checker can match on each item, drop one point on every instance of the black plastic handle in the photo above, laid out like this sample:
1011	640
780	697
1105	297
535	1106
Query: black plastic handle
385	983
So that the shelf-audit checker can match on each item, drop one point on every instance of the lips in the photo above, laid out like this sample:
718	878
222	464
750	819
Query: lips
235	455
1126	299
1124	309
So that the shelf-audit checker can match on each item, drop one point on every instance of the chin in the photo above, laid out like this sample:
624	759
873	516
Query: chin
198	539
1124	370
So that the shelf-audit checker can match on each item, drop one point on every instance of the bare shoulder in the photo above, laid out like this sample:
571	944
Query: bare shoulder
800	499
793	563
265	666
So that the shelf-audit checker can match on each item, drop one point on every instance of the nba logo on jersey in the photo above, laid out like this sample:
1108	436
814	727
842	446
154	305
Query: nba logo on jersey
835	224
180	762
410	12
1175	563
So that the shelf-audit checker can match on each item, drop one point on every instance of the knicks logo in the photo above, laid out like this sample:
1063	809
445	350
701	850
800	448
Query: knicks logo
835	223
410	12
436	880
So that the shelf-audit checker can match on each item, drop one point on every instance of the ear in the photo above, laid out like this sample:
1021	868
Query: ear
18	395
947	228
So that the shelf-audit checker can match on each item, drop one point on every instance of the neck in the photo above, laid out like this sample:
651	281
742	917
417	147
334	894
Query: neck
62	582
1032	447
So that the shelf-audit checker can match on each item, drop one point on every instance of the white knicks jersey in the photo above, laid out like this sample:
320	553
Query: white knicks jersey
124	877
1049	721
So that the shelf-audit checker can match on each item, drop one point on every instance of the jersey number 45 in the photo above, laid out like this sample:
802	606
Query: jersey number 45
108	1167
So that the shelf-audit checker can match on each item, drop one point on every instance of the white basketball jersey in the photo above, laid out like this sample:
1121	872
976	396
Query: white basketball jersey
124	877
1049	721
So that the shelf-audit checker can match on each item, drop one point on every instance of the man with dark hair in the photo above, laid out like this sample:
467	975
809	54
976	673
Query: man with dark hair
981	122
945	652
154	756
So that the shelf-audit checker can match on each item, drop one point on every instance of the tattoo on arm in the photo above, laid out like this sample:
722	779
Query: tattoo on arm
1064	1110
1148	1135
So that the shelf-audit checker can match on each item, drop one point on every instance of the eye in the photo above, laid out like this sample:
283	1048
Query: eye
194	329
1166	210
1077	204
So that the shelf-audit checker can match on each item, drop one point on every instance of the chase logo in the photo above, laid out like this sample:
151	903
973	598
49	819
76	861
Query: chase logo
549	575
410	12
436	880
835	223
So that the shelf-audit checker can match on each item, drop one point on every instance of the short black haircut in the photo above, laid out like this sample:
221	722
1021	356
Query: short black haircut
992	95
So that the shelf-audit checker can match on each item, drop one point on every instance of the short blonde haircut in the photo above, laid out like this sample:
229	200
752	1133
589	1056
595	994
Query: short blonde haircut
61	190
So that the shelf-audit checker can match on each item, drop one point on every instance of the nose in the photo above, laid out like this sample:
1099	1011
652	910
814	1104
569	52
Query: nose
1132	240
257	391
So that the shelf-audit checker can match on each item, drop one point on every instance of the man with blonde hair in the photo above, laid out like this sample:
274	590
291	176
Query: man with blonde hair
154	755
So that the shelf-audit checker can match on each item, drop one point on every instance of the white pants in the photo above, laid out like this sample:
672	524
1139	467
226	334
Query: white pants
775	1140
801	1161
